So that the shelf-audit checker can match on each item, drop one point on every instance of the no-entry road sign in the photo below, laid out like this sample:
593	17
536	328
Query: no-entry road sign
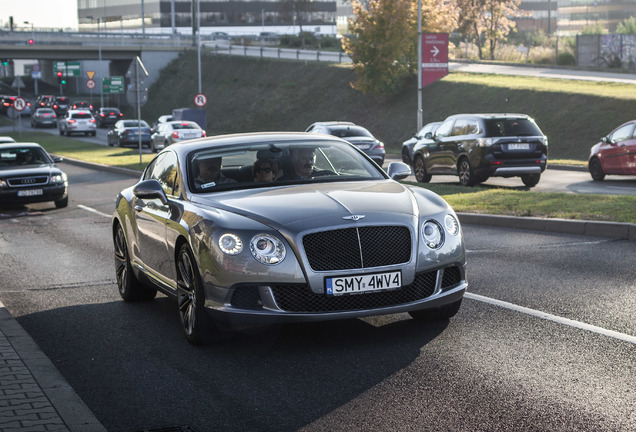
434	57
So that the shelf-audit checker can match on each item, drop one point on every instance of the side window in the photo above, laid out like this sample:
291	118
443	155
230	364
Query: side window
472	128
460	127
164	170
623	133
445	129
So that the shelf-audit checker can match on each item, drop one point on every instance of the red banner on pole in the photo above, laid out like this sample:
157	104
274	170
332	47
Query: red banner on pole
434	57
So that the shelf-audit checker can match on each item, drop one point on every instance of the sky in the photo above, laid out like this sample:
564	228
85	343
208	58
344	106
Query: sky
42	13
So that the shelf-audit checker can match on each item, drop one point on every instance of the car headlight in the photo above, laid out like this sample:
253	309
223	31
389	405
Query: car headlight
432	234
3	183
267	249
451	225
58	178
230	244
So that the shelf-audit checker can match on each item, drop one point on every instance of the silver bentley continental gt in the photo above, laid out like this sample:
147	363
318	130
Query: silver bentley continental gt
251	229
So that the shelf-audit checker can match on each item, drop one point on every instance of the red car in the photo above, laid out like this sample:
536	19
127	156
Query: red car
615	154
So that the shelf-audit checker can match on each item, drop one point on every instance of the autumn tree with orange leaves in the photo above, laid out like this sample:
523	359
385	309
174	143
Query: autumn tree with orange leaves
383	40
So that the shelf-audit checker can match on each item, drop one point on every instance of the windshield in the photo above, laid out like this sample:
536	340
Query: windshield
249	166
134	124
512	127
21	156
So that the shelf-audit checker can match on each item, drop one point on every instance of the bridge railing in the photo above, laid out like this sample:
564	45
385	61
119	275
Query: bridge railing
281	53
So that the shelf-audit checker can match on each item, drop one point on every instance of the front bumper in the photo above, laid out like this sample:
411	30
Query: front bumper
49	193
250	304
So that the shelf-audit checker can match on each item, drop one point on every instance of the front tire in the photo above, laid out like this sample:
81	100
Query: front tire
195	322
419	168
530	180
61	203
130	289
596	170
406	157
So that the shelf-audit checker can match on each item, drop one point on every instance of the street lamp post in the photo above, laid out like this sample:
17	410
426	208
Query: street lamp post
99	48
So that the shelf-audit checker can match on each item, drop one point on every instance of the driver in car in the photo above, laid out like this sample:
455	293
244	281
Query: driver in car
303	160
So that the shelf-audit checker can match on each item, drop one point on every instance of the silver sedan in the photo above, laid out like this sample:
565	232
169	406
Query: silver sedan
280	227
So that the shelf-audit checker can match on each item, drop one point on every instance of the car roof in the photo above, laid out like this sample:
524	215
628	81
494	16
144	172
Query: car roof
333	123
489	115
182	121
20	144
6	139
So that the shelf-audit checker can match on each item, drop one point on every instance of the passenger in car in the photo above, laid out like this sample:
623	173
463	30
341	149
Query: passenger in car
210	173
264	170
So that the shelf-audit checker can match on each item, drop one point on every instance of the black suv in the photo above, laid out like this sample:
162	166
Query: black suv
478	146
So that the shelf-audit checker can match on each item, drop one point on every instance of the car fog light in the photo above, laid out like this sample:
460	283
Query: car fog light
267	249
452	226
432	234
231	244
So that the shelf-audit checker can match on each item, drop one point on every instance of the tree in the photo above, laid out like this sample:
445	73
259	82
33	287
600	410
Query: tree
627	26
383	40
492	18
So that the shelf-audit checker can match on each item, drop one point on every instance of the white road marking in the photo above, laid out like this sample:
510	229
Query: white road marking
543	315
92	210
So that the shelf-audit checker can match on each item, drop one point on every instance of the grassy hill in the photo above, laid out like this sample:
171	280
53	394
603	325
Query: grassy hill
248	94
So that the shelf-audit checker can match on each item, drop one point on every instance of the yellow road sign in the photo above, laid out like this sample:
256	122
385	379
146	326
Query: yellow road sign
90	74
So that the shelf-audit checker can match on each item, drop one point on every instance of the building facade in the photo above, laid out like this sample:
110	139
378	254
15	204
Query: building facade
127	14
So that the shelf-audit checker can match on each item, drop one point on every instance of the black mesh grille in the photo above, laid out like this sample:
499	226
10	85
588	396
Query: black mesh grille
452	276
353	248
246	297
299	298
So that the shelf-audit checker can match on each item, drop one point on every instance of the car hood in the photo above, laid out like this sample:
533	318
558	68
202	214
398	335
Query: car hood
31	170
304	207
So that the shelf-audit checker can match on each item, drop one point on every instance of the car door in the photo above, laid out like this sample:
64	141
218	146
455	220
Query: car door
440	153
615	151
153	217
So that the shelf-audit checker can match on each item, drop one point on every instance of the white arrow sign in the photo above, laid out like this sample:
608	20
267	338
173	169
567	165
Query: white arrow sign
435	51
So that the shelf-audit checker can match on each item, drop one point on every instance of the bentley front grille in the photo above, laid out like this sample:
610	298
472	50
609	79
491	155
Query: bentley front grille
359	247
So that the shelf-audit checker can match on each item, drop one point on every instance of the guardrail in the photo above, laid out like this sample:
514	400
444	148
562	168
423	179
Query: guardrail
280	53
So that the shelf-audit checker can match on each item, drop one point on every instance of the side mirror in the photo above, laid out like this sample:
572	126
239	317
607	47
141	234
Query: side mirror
429	135
150	189
398	171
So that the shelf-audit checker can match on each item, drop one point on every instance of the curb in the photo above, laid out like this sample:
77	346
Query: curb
616	230
35	380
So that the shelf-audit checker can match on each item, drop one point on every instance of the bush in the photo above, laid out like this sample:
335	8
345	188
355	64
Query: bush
566	59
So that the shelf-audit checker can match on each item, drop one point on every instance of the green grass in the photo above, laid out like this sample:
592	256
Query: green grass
490	200
86	151
247	94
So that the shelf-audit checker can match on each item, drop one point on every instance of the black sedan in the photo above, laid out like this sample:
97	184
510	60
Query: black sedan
128	133
28	174
329	235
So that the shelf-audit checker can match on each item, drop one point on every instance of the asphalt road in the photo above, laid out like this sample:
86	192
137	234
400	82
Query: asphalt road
564	363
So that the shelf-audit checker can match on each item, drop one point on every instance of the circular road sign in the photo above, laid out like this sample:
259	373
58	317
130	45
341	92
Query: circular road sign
91	84
35	68
200	100
19	104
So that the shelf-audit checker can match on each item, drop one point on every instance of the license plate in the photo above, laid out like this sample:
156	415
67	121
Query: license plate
30	192
519	146
363	283
364	146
